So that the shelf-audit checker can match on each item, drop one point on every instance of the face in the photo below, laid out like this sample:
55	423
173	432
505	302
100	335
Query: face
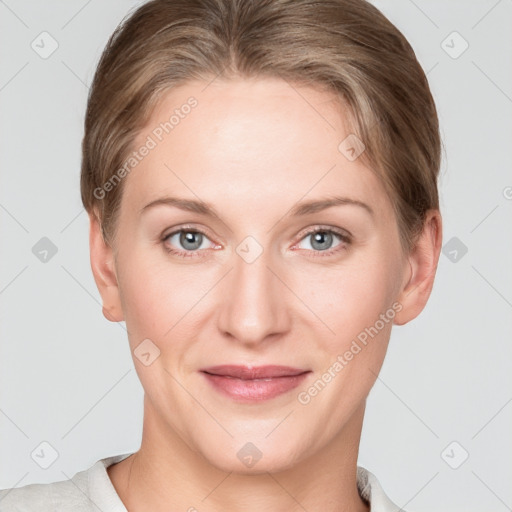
253	277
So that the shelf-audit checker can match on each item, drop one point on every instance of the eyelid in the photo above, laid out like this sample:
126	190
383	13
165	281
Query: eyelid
343	233
185	227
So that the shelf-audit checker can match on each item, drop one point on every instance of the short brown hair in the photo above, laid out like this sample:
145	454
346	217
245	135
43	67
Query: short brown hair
346	46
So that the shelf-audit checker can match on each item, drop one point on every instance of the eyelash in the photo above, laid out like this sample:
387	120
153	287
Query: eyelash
345	239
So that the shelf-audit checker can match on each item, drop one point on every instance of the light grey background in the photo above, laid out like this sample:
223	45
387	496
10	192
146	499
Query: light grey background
66	374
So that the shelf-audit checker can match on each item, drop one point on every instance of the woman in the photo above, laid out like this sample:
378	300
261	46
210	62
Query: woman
261	182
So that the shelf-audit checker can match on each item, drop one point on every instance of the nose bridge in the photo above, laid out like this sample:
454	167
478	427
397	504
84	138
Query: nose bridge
254	305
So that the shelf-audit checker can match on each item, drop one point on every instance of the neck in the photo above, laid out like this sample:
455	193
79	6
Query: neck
165	474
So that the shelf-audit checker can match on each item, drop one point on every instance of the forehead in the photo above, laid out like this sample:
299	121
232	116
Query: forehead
263	139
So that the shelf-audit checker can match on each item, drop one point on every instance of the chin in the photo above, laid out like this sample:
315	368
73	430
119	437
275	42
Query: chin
252	457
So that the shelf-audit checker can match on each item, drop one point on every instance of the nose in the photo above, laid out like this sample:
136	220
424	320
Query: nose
254	302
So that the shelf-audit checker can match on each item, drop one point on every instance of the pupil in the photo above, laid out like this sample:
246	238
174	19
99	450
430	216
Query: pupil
320	237
188	238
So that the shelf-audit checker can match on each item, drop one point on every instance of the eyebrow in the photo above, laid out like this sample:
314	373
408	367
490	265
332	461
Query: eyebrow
304	208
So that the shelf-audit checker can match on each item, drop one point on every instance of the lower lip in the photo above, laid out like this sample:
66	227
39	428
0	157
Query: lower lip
256	389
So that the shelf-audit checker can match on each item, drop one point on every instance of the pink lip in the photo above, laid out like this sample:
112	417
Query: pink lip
244	383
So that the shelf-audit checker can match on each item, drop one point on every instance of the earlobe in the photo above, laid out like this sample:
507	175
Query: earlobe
103	269
422	260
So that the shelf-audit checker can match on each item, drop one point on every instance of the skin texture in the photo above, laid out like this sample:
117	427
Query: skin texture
254	149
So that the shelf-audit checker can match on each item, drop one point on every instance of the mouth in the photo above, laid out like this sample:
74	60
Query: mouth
249	384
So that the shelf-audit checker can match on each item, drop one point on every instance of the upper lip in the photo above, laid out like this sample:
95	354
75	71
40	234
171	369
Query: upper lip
253	372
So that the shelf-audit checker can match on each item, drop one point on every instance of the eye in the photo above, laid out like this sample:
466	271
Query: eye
191	240
321	240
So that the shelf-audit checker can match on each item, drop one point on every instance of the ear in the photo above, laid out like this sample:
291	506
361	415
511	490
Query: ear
423	260
103	269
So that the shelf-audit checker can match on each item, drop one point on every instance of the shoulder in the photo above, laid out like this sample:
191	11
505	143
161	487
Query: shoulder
51	497
87	491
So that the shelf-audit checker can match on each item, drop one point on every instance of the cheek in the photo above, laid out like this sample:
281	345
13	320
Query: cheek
350	298
158	297
351	301
158	301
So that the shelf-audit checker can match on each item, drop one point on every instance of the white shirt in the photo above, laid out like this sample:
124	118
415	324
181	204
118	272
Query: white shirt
91	490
